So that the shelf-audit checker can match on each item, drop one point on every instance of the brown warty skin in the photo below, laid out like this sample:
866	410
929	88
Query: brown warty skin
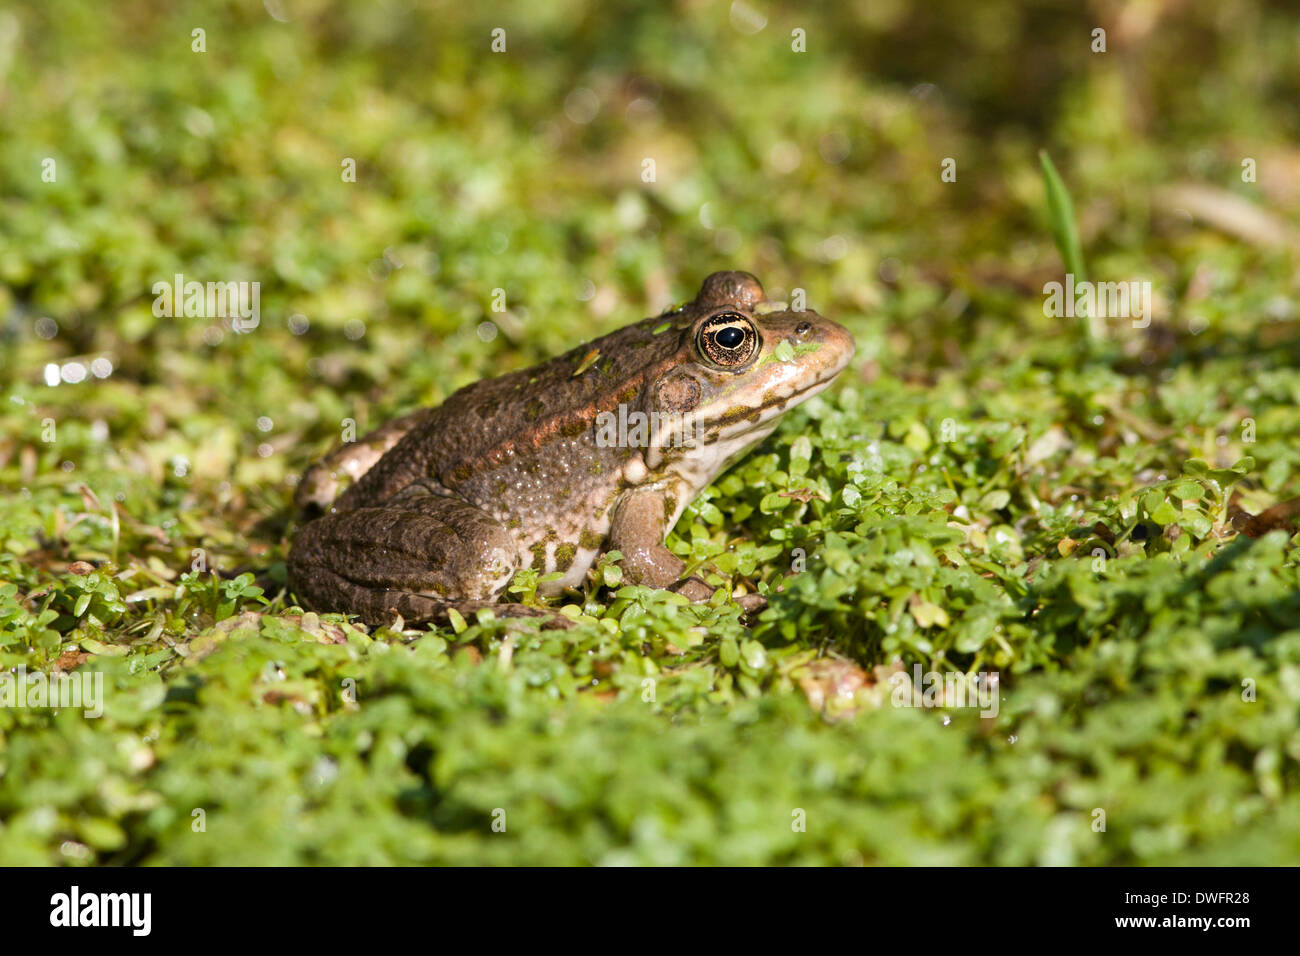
546	467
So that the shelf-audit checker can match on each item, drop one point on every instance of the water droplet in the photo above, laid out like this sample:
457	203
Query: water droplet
834	147
784	156
746	19
581	106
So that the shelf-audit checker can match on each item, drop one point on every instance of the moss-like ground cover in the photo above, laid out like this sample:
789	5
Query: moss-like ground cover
986	489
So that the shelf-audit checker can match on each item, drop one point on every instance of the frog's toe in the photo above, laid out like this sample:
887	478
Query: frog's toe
694	589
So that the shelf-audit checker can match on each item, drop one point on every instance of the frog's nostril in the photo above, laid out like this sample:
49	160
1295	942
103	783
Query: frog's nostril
803	328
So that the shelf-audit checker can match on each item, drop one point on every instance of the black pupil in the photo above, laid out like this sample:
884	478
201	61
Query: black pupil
730	337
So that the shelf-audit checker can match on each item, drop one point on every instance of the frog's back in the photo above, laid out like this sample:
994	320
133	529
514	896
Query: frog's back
514	443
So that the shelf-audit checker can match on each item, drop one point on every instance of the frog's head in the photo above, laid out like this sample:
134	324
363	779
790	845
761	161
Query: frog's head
742	364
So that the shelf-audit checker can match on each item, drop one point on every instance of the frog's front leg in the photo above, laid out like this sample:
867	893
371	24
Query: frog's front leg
638	529
418	557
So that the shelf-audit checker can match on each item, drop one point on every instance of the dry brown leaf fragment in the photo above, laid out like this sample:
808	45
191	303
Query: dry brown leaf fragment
831	685
803	494
1281	515
70	660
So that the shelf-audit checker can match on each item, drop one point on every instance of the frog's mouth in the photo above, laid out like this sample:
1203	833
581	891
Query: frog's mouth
801	395
732	435
766	413
743	428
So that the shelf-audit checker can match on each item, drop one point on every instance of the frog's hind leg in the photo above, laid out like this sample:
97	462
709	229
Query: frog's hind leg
344	466
418	558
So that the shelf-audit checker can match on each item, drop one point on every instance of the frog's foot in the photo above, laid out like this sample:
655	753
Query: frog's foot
696	590
637	531
416	558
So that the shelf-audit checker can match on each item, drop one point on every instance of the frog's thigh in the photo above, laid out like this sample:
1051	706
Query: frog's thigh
413	557
637	530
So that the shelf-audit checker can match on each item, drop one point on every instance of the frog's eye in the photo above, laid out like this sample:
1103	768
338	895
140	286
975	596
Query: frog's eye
728	339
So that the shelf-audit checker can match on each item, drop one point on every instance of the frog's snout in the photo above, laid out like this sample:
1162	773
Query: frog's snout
832	342
837	344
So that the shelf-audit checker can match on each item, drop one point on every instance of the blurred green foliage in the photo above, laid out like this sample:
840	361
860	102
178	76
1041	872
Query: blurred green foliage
983	490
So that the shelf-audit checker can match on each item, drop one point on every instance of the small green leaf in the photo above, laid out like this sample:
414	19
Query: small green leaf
728	652
1165	514
929	614
996	500
1060	210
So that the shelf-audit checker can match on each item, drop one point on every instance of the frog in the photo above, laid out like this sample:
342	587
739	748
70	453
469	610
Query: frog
597	450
